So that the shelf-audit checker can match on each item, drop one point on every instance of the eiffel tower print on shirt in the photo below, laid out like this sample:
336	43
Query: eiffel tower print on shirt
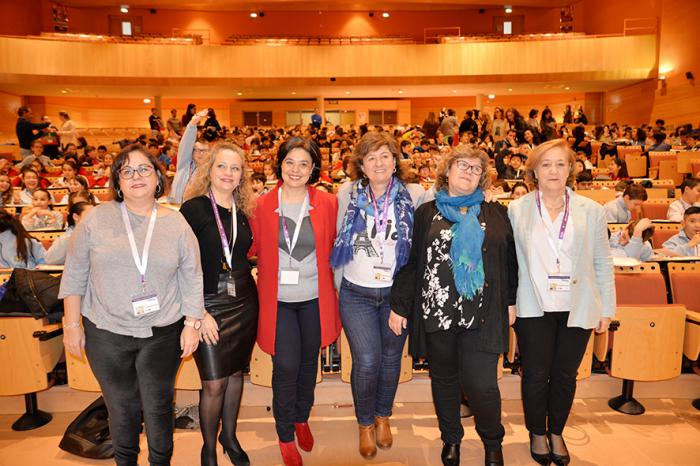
362	243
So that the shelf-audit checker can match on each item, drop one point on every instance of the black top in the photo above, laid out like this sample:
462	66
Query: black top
200	216
441	305
25	133
500	284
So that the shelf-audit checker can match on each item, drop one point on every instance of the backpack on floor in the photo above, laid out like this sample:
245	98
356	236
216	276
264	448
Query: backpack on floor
88	435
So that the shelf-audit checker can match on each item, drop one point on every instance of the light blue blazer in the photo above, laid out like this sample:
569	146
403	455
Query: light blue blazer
592	276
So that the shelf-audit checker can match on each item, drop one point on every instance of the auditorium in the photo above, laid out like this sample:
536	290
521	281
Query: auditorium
390	232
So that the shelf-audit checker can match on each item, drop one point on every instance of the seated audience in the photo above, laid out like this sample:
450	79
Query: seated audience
685	243
78	183
690	196
56	255
41	215
519	190
617	169
17	248
620	210
512	169
633	241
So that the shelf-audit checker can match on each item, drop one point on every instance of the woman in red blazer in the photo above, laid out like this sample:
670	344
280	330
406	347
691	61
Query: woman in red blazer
293	233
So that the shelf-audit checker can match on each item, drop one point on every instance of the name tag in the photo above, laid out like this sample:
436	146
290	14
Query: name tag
146	303
559	282
231	287
382	273
289	277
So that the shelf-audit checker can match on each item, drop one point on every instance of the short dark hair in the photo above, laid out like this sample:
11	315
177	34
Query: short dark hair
659	137
101	147
692	210
584	177
689	182
258	177
299	143
636	191
646	234
122	159
76	209
22	110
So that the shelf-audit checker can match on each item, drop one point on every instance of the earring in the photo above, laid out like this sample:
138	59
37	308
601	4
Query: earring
394	170
159	189
119	192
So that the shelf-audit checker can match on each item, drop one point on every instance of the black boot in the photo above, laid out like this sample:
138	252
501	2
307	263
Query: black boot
494	458
450	454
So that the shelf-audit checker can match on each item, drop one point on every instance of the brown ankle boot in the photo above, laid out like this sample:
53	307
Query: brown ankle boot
368	447
383	432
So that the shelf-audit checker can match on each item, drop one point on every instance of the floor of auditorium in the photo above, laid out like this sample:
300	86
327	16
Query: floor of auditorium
667	434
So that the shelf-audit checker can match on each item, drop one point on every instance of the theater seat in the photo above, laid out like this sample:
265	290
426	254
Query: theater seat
685	279
648	346
640	284
662	232
346	361
656	209
261	368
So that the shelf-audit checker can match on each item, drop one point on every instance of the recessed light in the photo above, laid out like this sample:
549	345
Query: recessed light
239	93
253	14
294	92
454	91
385	14
510	89
347	92
509	9
567	88
146	100
492	96
63	91
124	9
400	91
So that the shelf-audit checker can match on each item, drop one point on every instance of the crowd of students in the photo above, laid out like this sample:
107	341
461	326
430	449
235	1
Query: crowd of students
443	264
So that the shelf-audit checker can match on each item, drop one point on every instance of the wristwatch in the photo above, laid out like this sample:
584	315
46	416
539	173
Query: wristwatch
195	324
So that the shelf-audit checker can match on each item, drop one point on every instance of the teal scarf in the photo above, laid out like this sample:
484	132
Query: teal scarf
467	239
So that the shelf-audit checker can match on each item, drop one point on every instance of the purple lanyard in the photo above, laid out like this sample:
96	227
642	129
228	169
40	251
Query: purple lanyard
381	224
564	220
228	253
291	243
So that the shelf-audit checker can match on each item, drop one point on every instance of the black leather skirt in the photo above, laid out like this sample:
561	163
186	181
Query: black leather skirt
237	317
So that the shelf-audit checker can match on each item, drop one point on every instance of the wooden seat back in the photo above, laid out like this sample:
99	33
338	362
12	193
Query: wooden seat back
261	368
346	361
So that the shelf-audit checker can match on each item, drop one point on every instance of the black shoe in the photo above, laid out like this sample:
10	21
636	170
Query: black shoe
559	460
235	453
450	454
541	458
207	459
494	458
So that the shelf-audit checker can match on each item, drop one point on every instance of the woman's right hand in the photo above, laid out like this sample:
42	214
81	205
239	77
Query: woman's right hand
74	341
209	330
199	115
397	323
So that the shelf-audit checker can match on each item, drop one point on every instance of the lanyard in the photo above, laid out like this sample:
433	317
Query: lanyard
562	229
381	223
228	253
297	229
141	262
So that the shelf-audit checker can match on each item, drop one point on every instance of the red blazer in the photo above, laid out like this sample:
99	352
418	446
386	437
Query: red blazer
265	225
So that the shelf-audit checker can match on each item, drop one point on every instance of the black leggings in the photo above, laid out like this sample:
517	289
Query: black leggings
294	365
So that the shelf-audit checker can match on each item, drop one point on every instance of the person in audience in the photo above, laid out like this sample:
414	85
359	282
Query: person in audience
519	190
37	153
548	126
293	233
638	137
218	205
692	141
458	291
565	289
133	308
211	121
174	125
41	215
68	131
190	154
430	126
6	192
580	117
375	223
620	210
690	196
25	130
188	115
686	241
514	169
29	182
17	248
532	122
424	174
584	180
155	122
498	127
618	169
69	172
468	125
660	144
77	183
56	255
82	196
449	126
499	189
165	157
509	145
568	117
530	142
257	181
633	241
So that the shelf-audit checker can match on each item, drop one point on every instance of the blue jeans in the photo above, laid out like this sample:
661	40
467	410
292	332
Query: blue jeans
376	350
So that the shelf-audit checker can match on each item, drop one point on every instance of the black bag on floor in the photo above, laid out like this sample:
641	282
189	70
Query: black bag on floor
36	290
88	435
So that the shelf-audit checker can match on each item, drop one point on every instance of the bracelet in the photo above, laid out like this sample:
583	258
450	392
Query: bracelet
71	325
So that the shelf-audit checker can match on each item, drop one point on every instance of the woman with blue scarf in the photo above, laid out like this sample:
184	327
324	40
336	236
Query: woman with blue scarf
375	224
458	291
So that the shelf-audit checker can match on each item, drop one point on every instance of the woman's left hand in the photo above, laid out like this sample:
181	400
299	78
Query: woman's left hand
189	340
603	325
511	315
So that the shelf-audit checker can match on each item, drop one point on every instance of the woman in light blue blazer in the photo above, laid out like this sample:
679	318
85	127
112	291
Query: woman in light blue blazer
565	289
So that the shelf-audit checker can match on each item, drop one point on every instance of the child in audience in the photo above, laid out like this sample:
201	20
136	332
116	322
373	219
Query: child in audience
41	216
618	169
29	181
690	195
78	183
584	180
620	210
633	241
56	255
519	190
686	242
70	170
17	248
82	196
5	191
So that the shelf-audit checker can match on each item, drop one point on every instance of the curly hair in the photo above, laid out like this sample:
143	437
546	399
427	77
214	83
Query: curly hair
463	151
371	142
201	180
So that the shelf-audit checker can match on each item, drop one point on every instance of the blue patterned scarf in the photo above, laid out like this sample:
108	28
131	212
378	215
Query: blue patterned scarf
354	223
467	239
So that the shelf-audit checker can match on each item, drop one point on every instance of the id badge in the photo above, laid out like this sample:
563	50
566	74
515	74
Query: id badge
231	286
289	277
145	303
559	282
382	273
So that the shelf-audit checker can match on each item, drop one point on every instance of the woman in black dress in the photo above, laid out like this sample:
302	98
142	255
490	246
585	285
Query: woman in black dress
219	203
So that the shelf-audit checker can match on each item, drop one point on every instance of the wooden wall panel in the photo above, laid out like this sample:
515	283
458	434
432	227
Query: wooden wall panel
9	104
632	104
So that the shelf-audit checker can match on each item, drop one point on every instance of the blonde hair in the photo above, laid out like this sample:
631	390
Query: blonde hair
463	151
201	180
534	159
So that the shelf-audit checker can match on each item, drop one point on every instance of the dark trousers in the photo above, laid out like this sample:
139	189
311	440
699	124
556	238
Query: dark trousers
551	353
455	366
294	365
376	350
137	375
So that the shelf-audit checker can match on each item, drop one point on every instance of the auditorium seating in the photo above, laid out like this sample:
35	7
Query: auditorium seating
655	209
261	368
640	284
346	361
662	232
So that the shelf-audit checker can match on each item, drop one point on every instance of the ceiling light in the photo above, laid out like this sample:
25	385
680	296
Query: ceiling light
124	9
400	91
567	88
347	92
294	92
509	9
146	100
385	14
63	91
510	89
253	14
454	91
492	96
239	93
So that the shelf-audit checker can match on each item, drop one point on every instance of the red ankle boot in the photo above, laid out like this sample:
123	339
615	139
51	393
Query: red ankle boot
304	437
290	454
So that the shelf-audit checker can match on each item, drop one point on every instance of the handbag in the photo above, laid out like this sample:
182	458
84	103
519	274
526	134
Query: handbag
88	435
36	290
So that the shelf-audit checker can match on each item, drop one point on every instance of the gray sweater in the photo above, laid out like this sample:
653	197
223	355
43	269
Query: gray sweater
99	267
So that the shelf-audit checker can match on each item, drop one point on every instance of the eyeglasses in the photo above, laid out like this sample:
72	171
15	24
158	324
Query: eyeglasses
128	172
303	166
465	167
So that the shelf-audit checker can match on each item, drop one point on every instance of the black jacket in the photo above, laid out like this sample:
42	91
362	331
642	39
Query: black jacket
500	286
25	133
